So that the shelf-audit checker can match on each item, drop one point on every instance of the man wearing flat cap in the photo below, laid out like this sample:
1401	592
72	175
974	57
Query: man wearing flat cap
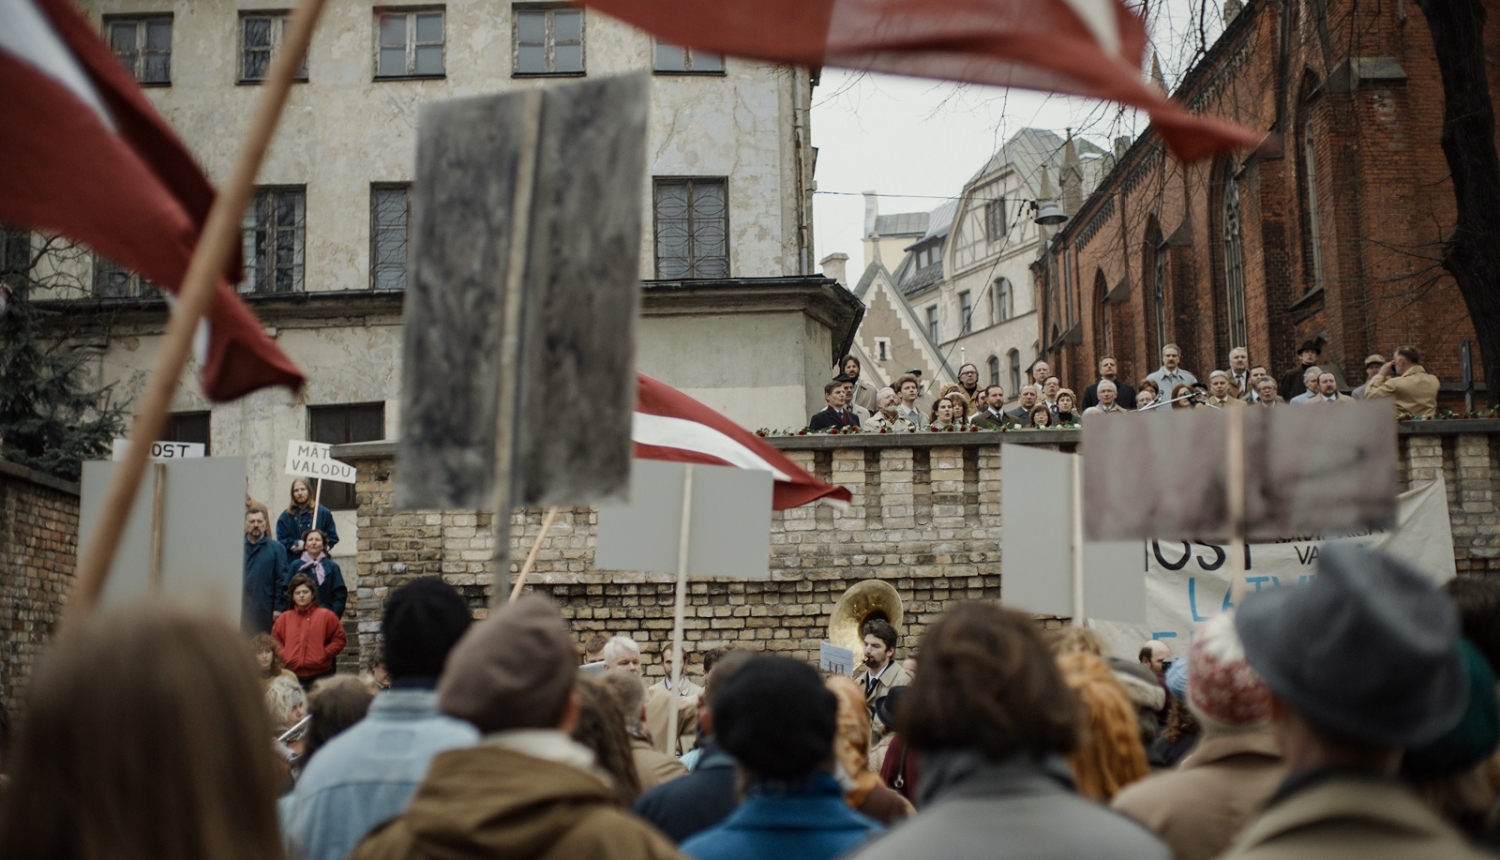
1362	662
527	790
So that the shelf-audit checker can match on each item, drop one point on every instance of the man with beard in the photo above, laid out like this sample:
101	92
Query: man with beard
880	671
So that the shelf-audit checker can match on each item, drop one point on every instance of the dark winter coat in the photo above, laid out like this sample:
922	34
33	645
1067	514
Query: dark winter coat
264	585
332	592
291	527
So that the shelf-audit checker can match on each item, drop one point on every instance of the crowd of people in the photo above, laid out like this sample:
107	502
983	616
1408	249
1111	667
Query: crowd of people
1352	715
1044	401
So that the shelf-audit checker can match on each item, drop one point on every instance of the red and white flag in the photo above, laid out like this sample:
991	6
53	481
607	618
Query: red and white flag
1089	48
670	425
87	156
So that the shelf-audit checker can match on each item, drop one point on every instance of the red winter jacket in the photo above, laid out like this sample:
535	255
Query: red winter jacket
309	638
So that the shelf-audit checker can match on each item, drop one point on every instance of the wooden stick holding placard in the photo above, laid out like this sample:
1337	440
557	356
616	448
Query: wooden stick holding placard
221	234
679	609
1234	484
317	502
515	590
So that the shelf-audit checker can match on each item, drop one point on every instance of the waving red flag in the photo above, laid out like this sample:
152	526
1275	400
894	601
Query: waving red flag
670	425
89	158
1089	48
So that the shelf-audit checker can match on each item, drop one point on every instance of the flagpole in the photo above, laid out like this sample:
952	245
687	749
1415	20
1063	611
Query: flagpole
220	234
680	608
515	590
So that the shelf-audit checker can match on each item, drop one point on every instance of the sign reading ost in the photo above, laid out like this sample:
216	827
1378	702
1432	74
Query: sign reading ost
315	460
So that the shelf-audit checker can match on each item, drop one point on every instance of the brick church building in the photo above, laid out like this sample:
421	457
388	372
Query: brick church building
1333	232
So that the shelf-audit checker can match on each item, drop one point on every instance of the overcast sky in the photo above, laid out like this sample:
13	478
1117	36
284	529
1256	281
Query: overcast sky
904	136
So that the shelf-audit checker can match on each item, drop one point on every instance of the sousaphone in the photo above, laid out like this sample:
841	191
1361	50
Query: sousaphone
870	598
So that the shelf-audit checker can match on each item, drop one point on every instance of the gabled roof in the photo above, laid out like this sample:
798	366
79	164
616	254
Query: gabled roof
1031	148
940	221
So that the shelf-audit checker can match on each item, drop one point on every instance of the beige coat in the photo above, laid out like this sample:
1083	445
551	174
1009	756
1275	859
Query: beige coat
653	767
1351	818
891	676
1199	808
659	705
1414	391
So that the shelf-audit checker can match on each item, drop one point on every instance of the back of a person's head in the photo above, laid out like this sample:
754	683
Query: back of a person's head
776	718
629	690
514	670
144	735
1109	755
1076	640
601	728
989	684
334	704
423	620
1478	603
724	667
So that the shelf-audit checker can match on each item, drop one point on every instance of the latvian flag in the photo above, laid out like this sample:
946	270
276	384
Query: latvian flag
1091	48
669	425
87	157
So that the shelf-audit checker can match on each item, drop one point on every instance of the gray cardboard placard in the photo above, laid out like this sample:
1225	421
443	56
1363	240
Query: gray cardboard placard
203	515
1114	581
730	530
1035	510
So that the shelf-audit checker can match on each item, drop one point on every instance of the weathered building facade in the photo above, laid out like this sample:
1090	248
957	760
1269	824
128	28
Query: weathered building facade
1332	231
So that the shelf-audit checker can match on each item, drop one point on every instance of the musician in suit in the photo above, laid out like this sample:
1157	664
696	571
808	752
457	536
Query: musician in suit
880	671
837	414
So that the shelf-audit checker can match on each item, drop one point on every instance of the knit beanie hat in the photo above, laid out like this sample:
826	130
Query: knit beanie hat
423	620
514	670
775	716
1222	689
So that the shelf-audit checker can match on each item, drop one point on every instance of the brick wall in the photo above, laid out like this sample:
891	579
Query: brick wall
925	518
38	550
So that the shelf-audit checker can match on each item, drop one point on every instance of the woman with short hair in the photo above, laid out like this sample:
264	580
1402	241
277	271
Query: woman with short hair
1066	401
268	659
298	519
1041	417
941	417
145	736
324	571
310	636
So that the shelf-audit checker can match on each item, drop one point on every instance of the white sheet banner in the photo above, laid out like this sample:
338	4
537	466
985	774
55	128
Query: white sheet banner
1188	582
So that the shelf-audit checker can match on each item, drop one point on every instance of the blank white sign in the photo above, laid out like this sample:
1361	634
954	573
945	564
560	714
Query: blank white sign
729	533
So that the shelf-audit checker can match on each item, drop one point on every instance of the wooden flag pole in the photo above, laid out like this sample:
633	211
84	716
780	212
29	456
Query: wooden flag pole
317	502
216	243
680	609
1234	439
515	590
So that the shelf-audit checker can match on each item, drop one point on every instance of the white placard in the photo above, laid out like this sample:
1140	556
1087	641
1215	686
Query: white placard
835	659
315	460
729	530
164	450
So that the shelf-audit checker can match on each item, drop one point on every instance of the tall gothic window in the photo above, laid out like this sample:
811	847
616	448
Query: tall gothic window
1155	275
1313	237
1234	260
1013	358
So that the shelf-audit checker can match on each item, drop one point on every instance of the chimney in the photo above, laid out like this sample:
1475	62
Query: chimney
1231	11
872	211
835	266
1122	146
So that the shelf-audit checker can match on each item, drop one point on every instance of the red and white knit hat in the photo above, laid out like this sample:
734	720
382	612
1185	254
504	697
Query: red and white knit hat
1222	688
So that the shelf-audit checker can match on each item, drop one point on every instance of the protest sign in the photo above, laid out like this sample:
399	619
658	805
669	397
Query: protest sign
315	460
834	659
183	540
1188	582
163	450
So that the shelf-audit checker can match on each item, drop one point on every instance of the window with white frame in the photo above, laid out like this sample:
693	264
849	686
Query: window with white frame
692	227
274	236
548	40
390	217
932	322
965	311
261	35
994	220
411	43
113	281
882	349
994	368
1013	360
1003	300
144	45
676	60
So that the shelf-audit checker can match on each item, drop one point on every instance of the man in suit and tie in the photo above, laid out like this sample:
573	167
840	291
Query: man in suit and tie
836	415
1328	390
1021	415
880	671
991	414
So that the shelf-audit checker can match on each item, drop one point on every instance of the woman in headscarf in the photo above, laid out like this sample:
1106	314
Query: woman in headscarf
863	790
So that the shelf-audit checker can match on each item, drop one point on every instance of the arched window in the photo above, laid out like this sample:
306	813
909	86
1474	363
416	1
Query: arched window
1312	238
1154	259
1234	260
1101	315
1004	301
1013	358
994	365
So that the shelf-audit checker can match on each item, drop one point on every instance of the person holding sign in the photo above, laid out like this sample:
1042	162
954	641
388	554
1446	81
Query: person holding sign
315	564
310	636
298	518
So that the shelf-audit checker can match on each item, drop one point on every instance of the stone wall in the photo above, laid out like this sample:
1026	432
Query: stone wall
38	552
925	517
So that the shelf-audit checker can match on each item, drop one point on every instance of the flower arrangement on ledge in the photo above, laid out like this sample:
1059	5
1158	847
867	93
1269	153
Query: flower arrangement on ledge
851	431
